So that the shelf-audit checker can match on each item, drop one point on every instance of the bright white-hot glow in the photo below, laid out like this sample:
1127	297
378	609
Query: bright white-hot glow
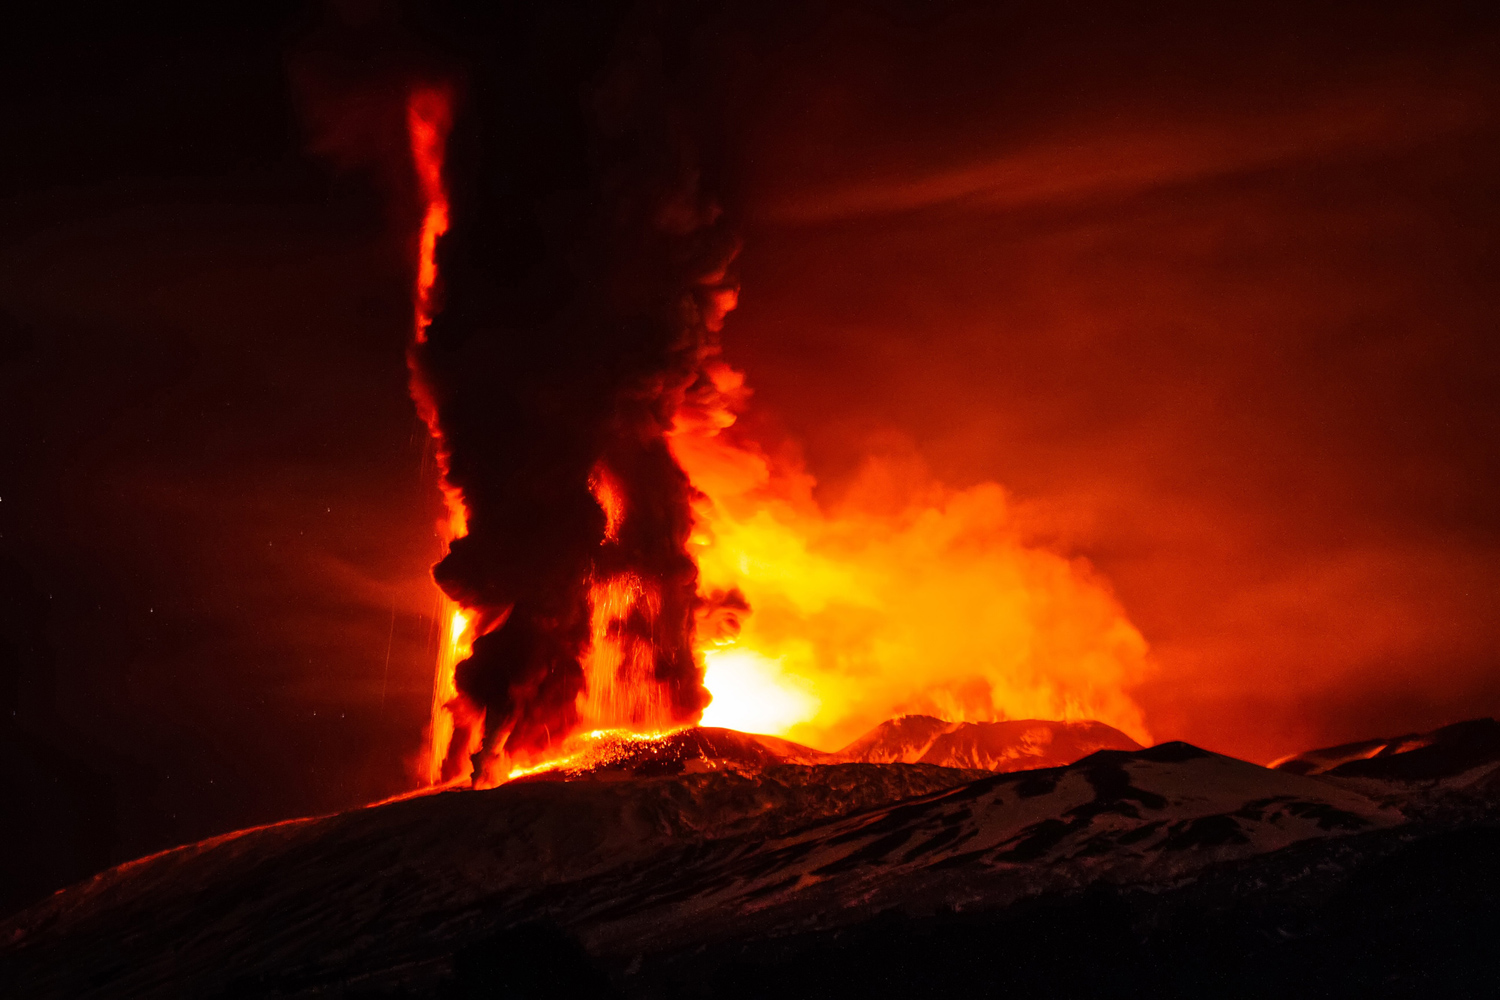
753	694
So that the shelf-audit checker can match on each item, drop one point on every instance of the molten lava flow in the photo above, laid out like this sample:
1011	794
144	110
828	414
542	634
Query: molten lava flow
598	749
905	597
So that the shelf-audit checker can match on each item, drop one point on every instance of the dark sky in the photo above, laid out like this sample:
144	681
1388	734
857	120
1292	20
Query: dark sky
1211	289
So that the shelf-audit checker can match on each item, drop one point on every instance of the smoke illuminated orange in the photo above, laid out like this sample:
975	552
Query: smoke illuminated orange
904	597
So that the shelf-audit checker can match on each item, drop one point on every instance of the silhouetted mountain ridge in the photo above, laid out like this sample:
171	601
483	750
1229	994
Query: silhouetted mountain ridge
706	867
1442	753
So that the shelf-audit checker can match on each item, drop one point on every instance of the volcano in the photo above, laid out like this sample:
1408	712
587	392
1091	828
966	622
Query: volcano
714	863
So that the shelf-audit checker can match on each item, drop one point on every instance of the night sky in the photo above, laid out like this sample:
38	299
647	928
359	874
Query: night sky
1211	291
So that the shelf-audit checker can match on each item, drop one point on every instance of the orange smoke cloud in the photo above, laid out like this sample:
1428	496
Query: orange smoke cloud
904	596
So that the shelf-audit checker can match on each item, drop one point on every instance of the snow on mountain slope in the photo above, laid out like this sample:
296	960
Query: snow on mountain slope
383	897
1442	753
1147	816
399	882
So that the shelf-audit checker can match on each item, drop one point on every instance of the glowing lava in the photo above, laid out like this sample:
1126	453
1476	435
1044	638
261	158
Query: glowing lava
595	749
753	694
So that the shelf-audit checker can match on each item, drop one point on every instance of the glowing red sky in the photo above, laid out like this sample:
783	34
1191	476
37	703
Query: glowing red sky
1217	307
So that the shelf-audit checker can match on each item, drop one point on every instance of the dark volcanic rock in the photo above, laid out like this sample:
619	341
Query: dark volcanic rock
991	746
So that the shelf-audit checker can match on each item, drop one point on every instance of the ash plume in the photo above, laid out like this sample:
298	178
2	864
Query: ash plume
582	282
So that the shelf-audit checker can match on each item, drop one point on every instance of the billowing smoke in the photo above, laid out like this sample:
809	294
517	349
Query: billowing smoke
581	285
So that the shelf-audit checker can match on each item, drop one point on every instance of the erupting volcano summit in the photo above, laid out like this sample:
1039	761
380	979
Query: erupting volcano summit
572	283
616	545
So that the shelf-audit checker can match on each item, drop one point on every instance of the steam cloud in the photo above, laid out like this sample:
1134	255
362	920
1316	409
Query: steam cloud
582	283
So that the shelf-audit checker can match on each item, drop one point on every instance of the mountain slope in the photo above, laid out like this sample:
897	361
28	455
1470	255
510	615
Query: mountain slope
386	898
1442	753
1153	815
